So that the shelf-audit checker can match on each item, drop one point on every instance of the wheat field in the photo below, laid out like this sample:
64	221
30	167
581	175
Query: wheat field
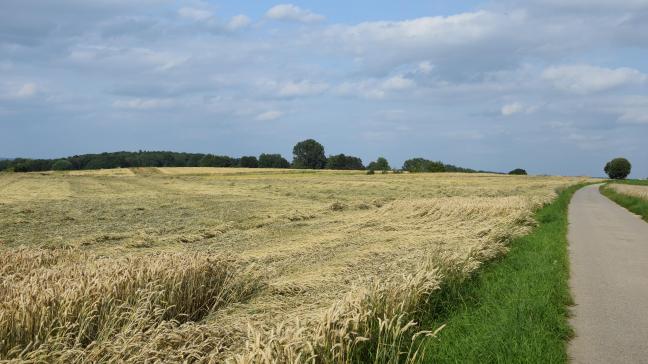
242	265
630	190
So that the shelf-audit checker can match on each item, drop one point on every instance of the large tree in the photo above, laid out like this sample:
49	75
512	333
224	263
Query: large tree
618	168
309	154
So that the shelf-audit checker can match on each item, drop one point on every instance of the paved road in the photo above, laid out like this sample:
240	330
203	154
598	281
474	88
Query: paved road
608	247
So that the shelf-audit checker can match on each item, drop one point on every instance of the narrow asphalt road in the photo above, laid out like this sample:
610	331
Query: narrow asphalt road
608	248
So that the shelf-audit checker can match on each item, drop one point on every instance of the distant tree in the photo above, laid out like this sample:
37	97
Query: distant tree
119	160
618	168
273	161
249	162
415	165
62	165
519	172
309	154
342	161
380	164
211	160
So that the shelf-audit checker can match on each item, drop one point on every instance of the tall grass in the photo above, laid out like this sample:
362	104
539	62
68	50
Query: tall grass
72	306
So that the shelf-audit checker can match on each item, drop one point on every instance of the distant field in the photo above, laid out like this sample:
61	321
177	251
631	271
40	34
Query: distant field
217	258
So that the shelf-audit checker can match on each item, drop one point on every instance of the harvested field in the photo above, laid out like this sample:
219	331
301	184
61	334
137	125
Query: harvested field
242	265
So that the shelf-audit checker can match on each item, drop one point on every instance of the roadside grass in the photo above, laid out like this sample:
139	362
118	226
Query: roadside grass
634	204
516	308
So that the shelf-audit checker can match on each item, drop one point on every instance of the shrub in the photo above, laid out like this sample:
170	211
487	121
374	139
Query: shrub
618	168
309	154
518	172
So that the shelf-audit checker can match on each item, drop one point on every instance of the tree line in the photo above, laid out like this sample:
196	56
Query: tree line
307	154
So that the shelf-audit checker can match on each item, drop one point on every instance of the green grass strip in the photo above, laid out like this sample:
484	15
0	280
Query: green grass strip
515	310
637	182
635	204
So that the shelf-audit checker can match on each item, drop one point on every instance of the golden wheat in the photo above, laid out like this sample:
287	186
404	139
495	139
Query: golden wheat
343	263
72	301
630	190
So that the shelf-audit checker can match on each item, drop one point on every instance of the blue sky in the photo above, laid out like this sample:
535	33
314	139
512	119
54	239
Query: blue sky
555	87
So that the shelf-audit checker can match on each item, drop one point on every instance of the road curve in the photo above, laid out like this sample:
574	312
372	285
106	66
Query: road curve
608	249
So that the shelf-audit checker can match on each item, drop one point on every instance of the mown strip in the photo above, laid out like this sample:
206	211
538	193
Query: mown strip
634	204
516	308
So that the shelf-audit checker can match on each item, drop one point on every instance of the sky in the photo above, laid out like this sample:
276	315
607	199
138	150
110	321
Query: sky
551	86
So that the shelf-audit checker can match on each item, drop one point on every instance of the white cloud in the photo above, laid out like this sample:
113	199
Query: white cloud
516	108
452	44
375	88
290	12
143	104
195	14
423	34
397	83
366	89
269	115
635	116
425	67
238	22
303	88
293	88
120	58
27	90
585	79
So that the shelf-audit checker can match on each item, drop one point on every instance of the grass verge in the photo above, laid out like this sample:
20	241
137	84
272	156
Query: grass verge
515	309
636	205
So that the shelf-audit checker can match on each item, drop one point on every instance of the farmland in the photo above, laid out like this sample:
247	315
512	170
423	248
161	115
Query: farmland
247	265
631	190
